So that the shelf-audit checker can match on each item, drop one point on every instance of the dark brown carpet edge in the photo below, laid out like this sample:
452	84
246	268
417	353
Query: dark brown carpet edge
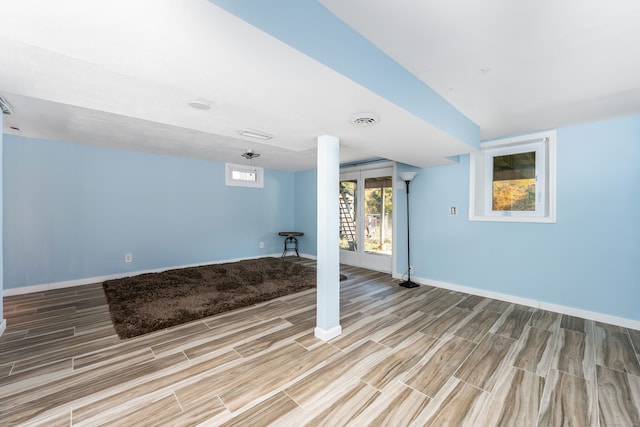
154	301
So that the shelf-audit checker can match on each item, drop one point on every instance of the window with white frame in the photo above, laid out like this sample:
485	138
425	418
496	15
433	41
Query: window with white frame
513	180
244	176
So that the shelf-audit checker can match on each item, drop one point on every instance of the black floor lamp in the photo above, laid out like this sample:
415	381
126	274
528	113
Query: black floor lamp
407	177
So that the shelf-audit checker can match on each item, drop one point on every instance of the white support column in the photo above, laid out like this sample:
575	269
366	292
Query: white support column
3	323
328	278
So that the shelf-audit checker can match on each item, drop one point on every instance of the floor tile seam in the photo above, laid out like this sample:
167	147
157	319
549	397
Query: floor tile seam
263	397
64	355
489	393
52	321
40	365
443	390
502	365
591	383
379	303
87	382
275	344
596	397
194	378
403	382
553	350
617	370
184	348
213	329
337	384
76	344
213	338
462	362
50	301
41	340
242	360
594	357
103	363
636	348
43	378
219	316
128	404
42	416
123	387
84	400
292	399
123	347
7	336
475	342
636	359
544	378
550	349
399	378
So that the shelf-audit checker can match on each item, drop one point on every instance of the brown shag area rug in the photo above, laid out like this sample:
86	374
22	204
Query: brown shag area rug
149	302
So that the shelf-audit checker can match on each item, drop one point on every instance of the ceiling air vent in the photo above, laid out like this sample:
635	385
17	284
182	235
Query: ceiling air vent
364	119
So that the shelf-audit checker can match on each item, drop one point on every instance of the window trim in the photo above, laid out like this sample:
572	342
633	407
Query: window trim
481	178
230	181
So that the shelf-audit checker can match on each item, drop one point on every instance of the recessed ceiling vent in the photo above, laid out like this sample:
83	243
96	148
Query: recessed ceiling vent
364	119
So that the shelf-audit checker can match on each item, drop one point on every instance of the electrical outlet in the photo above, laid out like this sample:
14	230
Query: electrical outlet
452	210
261	245
128	257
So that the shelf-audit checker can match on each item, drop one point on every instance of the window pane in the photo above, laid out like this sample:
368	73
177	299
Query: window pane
348	210
514	182
243	176
378	200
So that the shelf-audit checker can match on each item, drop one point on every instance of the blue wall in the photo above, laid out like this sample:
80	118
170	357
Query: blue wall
72	211
589	259
306	210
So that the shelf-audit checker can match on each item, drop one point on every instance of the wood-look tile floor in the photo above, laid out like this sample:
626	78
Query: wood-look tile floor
423	356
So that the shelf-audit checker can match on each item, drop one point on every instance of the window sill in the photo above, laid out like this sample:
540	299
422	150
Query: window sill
507	218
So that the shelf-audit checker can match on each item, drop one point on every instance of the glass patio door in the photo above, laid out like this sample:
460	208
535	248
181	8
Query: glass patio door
366	218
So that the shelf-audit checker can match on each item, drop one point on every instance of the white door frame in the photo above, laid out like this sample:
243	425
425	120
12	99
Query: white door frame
378	262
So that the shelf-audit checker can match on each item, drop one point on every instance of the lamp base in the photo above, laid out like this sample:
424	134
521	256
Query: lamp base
409	284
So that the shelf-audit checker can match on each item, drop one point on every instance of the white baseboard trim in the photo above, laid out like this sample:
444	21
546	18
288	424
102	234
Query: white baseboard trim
326	335
98	279
3	326
556	308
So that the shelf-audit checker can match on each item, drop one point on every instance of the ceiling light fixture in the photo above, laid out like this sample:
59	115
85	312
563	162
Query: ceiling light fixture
200	104
5	106
250	154
255	134
364	119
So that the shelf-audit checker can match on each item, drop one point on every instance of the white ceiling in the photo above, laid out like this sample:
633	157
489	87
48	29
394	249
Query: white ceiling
120	73
513	66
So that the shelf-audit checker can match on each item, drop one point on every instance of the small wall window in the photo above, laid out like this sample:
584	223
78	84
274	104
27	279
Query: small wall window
513	180
244	176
